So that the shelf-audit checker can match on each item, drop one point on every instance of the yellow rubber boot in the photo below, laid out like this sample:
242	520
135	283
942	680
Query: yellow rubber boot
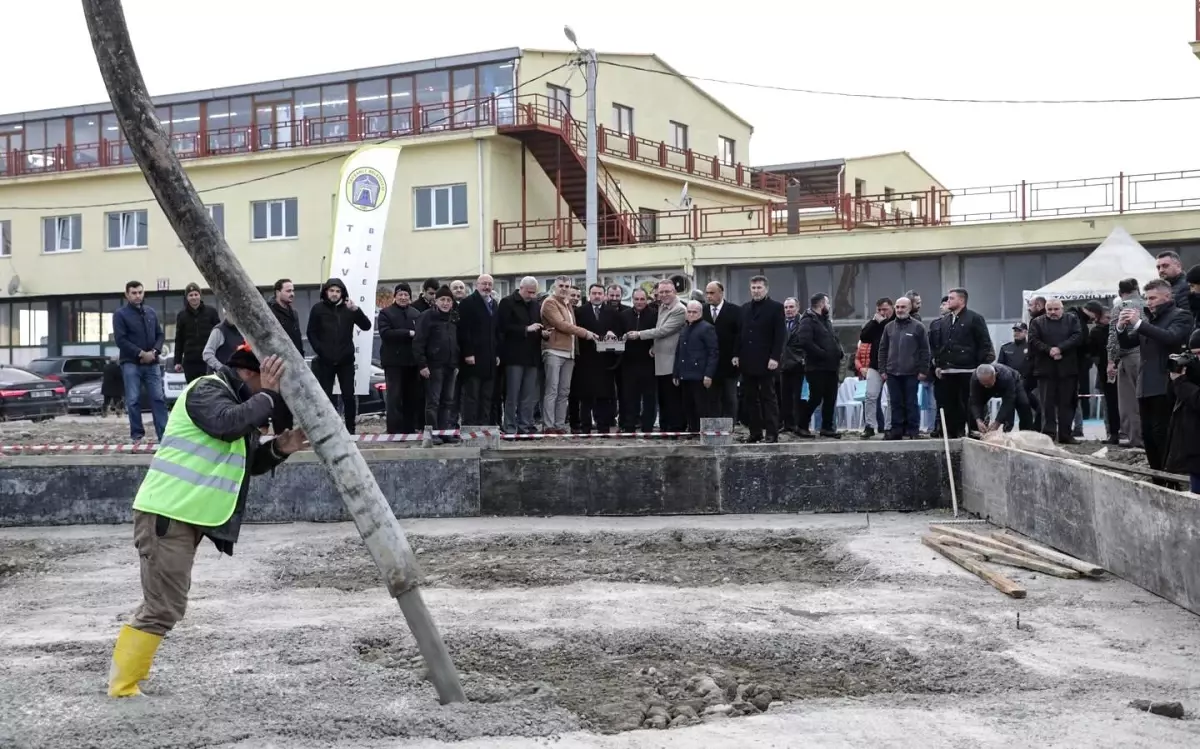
131	659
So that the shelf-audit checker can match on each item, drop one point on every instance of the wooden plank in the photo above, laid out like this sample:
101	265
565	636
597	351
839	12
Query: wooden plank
1050	555
1013	560
975	538
969	563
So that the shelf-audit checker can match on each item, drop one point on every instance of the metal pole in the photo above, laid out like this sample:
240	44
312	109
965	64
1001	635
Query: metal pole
592	246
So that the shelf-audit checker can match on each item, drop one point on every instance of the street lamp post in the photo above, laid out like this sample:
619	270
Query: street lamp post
587	58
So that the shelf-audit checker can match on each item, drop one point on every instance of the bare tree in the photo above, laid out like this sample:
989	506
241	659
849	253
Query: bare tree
220	267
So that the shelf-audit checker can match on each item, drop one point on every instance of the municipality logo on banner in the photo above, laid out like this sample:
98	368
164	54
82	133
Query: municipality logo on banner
364	199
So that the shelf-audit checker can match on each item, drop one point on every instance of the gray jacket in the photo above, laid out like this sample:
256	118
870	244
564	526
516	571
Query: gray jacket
904	348
666	337
1117	352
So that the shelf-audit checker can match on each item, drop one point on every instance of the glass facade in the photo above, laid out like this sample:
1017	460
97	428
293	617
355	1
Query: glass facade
361	110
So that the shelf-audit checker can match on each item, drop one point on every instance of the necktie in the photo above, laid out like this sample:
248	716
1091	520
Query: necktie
714	313
596	307
489	304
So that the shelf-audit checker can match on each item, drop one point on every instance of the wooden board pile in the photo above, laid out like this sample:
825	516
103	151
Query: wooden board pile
970	551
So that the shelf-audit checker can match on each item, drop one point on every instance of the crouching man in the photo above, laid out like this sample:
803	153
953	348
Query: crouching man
196	489
998	381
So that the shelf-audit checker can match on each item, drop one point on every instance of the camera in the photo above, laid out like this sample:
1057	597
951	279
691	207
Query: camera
1181	362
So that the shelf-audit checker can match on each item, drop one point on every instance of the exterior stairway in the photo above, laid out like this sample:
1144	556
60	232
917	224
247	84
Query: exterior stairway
558	142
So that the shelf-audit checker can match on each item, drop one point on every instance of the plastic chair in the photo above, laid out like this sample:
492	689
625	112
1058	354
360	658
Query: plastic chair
849	410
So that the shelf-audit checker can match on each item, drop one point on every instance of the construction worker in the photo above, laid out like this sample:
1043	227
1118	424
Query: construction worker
196	488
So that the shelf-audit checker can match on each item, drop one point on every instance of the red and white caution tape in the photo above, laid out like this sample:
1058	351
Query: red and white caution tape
149	447
141	447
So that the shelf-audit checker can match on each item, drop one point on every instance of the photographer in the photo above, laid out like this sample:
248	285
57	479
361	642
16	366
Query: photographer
1161	330
1183	435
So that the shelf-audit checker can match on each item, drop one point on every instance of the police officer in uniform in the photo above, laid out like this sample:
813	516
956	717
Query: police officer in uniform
196	489
1016	355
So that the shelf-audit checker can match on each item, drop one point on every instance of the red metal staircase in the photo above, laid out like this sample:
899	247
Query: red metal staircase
558	143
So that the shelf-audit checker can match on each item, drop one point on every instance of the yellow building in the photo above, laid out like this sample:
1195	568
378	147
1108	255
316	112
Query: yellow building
492	178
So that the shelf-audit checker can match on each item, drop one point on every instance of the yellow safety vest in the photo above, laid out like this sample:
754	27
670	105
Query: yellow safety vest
194	477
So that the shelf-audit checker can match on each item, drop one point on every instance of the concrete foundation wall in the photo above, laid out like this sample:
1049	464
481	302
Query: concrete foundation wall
568	480
1143	533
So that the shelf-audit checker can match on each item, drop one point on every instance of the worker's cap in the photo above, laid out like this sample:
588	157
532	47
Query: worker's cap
243	358
1020	326
444	291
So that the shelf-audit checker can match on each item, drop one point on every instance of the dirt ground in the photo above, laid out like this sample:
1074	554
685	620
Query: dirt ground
734	631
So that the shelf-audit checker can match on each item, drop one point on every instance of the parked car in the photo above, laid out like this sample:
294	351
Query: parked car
86	398
28	395
69	370
173	382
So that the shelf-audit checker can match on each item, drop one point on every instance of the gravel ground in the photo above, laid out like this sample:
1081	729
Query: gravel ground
733	631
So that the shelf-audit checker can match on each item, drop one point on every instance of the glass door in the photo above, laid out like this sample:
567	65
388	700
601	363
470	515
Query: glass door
273	121
10	144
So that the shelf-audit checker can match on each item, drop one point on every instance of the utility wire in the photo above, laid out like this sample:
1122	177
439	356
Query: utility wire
272	175
895	97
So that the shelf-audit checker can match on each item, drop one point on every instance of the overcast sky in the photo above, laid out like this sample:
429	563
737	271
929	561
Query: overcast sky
1026	49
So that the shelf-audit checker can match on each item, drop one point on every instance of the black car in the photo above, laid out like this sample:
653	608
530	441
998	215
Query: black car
27	395
69	370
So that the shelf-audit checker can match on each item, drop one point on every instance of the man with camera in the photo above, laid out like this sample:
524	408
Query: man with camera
1183	436
1162	330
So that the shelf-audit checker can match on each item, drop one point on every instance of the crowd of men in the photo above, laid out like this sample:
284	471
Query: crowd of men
578	360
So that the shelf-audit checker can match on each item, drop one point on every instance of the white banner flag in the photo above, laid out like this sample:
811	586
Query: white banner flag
364	198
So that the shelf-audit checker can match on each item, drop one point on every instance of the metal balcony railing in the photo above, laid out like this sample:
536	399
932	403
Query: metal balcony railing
935	207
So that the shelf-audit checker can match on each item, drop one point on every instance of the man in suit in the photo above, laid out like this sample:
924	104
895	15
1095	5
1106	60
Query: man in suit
639	389
726	318
665	334
695	366
397	326
520	329
757	353
594	382
791	368
477	343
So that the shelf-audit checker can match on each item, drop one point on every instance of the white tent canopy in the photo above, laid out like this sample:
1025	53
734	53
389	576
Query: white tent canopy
1096	277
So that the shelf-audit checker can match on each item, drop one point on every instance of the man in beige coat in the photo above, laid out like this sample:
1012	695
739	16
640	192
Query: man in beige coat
671	317
559	332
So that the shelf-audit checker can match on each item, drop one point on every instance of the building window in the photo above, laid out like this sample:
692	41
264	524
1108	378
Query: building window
560	100
622	119
441	207
679	135
216	212
62	233
727	150
5	239
860	188
888	194
274	219
127	230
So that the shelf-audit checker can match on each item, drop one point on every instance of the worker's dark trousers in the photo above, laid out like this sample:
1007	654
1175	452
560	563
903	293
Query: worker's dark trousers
343	372
166	551
956	390
1022	410
1058	404
1156	419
